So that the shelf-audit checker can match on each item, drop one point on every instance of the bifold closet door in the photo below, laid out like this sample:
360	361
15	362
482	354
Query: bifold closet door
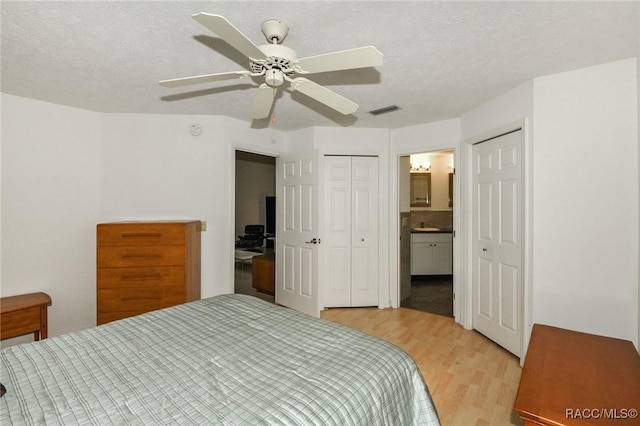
351	231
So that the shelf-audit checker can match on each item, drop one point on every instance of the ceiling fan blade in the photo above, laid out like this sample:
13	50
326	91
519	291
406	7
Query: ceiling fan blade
360	57
225	30
207	78
263	102
324	95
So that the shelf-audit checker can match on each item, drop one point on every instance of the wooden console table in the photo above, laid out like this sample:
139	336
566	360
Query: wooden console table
572	378
24	314
264	273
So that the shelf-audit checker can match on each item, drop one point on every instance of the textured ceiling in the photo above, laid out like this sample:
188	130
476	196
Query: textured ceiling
441	59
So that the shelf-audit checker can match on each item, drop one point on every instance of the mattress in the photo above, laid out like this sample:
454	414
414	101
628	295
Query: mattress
225	360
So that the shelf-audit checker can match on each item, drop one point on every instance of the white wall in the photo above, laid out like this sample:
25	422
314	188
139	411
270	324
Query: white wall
509	111
153	168
50	205
586	200
300	140
436	136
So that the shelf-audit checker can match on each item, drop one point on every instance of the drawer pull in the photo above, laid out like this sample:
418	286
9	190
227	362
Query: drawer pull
142	256
141	235
139	298
140	277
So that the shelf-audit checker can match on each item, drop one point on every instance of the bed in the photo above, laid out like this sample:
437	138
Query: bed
226	360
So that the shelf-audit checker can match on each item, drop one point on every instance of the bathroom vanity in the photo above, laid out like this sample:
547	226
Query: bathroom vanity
431	251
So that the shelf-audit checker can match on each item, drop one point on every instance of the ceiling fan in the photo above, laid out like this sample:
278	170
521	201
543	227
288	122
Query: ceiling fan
276	64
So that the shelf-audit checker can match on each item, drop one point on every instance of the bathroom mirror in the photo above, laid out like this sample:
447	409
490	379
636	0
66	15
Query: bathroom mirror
420	189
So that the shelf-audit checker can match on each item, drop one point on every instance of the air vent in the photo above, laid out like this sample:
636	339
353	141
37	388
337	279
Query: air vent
384	110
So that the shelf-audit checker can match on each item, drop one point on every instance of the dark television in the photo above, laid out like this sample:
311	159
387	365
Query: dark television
271	215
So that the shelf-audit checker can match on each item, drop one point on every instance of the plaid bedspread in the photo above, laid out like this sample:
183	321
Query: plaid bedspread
226	360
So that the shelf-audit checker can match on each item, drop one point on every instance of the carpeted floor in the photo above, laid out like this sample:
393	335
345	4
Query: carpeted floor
431	293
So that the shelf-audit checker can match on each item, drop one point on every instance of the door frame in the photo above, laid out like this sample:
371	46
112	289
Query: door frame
231	154
465	176
394	229
386	287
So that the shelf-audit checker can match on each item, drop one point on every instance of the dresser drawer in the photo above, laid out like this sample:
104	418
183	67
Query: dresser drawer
105	317
118	257
139	299
20	322
150	276
141	234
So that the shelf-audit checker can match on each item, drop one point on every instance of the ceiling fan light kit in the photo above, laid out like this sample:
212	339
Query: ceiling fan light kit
276	64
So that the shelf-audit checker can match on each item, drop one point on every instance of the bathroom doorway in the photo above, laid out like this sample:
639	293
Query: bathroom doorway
426	191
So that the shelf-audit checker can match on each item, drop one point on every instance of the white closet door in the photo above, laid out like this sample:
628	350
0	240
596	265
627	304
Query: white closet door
337	235
364	231
497	244
351	231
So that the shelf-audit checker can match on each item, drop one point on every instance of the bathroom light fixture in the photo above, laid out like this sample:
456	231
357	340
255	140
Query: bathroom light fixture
420	167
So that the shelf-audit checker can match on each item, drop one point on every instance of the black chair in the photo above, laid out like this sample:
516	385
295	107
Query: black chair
253	237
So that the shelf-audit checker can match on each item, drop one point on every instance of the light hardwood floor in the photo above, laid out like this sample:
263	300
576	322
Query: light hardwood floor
472	380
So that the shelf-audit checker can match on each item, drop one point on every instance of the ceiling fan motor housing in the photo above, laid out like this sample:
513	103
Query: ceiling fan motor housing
278	57
275	30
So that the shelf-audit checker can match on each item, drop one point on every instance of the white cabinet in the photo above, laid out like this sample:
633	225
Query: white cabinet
431	254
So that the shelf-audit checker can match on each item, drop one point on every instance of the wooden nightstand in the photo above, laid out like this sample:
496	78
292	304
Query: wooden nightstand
24	314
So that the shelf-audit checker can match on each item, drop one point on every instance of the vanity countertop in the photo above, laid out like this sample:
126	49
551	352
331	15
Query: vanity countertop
431	231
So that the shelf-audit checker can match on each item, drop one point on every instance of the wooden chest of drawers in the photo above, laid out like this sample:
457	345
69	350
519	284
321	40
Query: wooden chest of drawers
144	266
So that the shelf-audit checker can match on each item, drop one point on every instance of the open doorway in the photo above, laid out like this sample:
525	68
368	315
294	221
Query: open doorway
255	209
426	182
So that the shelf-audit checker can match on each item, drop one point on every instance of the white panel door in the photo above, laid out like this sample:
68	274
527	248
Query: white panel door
351	231
497	244
337	231
364	231
297	232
